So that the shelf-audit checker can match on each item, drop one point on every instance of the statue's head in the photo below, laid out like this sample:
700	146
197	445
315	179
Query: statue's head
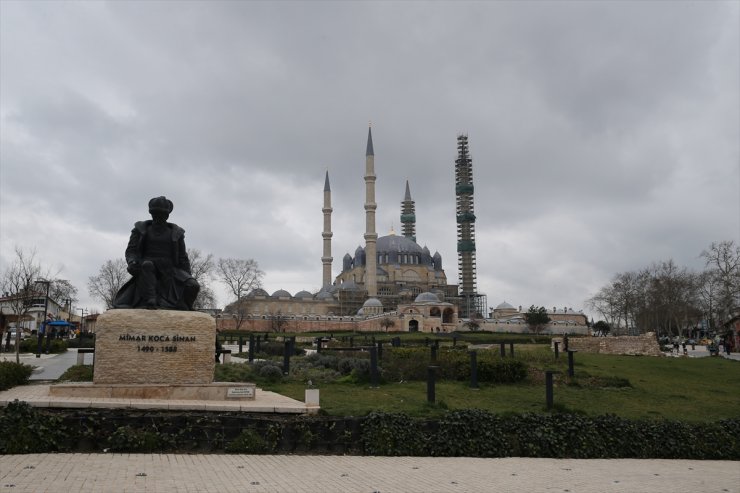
160	207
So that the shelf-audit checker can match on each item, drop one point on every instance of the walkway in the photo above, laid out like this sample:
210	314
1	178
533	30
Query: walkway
172	473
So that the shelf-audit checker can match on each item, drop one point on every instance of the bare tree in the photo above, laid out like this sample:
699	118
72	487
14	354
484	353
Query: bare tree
278	321
19	282
112	275
240	276
201	268
62	291
723	260
387	323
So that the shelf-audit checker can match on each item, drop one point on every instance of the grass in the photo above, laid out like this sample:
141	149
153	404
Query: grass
636	387
689	389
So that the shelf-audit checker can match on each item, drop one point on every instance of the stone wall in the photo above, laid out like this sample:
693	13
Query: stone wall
645	345
154	347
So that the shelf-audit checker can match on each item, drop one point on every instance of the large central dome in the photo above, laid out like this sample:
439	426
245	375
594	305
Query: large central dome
395	243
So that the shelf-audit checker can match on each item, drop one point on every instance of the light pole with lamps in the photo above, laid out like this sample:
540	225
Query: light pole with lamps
46	311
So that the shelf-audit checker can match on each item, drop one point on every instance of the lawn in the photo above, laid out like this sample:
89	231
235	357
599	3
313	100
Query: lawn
690	389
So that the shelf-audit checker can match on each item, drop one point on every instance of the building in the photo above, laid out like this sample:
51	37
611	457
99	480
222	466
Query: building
389	279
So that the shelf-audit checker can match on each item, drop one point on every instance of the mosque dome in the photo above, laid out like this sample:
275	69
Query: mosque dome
304	295
372	302
324	295
281	293
349	286
427	297
257	292
504	306
395	243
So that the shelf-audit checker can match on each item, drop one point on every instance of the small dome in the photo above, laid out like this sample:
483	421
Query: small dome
257	292
281	293
372	302
349	286
427	297
324	295
504	306
303	295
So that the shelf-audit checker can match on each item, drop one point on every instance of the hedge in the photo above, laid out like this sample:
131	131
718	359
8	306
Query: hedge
12	374
469	433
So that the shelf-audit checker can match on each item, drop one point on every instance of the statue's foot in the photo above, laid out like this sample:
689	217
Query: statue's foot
151	304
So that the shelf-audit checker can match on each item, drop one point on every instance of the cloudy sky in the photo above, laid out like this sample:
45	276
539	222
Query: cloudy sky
604	135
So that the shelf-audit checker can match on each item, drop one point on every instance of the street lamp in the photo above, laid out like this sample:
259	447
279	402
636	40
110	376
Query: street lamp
82	319
46	311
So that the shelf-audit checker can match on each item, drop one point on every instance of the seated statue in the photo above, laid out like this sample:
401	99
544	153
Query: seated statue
158	263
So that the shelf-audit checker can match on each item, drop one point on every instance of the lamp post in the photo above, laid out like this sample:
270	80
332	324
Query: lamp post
82	318
46	311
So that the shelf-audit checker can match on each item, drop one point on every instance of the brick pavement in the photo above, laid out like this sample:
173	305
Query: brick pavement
342	474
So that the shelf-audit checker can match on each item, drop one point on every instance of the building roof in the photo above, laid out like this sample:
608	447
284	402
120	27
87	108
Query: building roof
395	243
427	297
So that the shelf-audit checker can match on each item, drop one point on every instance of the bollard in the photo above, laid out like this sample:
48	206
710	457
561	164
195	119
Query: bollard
557	349
286	357
373	367
431	380
548	388
511	349
227	355
503	349
473	369
571	372
434	354
380	350
258	344
318	344
241	344
251	348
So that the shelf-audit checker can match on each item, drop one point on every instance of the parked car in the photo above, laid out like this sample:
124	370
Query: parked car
13	330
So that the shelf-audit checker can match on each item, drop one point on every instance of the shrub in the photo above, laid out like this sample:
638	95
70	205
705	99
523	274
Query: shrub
129	439
30	345
234	372
248	442
271	373
78	373
13	374
24	430
82	341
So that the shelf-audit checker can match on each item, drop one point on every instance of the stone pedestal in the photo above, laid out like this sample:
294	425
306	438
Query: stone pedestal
154	347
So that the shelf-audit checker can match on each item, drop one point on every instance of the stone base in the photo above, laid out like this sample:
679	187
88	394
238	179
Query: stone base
216	391
152	347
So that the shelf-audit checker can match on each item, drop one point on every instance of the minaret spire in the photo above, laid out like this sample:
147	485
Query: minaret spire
466	228
371	237
408	215
326	258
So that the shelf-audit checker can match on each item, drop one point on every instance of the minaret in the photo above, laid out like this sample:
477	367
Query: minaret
371	237
326	258
465	224
408	215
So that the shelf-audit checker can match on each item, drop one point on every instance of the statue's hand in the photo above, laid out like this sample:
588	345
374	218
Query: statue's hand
133	267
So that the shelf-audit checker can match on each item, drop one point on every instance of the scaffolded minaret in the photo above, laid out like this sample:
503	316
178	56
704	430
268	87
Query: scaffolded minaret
326	258
371	237
408	215
465	226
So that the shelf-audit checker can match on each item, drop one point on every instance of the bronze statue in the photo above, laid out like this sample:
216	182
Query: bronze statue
158	263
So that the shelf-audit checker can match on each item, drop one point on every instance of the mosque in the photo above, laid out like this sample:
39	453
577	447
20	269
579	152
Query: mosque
390	283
